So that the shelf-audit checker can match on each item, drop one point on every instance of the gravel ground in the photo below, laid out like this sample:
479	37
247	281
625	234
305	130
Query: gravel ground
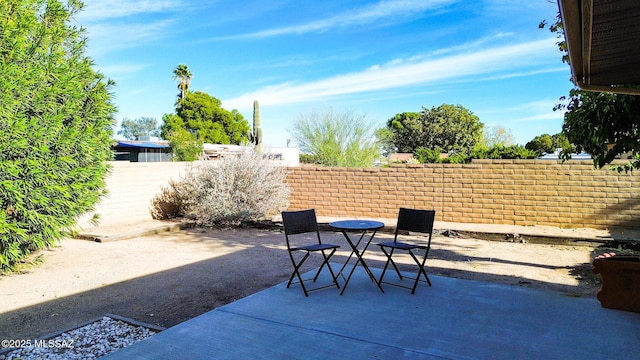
87	342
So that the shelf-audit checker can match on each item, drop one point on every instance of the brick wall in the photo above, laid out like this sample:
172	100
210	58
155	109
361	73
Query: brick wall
516	192
131	186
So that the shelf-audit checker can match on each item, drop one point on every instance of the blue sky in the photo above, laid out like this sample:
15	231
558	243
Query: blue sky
376	58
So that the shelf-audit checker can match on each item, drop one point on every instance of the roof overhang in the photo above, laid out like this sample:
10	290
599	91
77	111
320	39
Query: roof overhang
603	41
146	145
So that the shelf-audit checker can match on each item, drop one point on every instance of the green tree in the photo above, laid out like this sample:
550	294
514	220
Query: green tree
385	139
56	123
170	123
183	76
204	116
185	145
337	138
546	143
541	144
602	124
447	128
451	128
407	131
560	141
135	129
497	135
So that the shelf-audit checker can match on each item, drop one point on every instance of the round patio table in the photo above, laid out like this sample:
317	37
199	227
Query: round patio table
364	228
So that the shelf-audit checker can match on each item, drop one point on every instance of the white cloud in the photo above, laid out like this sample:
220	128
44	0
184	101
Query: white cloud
119	24
540	71
102	37
482	42
541	110
96	10
396	74
389	9
120	69
533	106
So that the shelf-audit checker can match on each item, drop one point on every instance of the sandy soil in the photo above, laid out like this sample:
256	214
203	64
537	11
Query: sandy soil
168	278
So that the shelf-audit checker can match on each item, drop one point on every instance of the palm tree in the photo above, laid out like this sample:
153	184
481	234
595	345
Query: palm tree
183	76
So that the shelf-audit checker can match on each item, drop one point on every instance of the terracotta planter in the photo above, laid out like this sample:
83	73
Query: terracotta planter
620	282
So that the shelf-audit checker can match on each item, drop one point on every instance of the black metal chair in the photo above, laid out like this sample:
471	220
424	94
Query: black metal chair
304	223
413	221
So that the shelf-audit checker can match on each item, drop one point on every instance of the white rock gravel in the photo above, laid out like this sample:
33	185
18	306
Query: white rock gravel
91	341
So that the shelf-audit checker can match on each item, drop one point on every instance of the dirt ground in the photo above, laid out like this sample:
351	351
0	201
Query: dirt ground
168	278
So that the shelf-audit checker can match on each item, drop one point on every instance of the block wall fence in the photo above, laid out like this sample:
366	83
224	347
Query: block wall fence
130	188
515	192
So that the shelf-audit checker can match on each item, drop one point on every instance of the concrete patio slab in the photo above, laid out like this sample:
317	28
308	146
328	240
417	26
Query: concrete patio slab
453	319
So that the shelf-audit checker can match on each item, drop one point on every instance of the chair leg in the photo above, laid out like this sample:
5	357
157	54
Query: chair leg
386	264
419	263
295	268
394	264
421	270
296	272
321	265
326	261
390	259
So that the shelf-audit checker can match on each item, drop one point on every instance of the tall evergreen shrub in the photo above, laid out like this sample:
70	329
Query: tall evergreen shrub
56	119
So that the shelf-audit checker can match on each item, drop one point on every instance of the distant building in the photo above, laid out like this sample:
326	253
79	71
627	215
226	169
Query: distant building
556	156
401	158
285	156
220	151
154	150
142	151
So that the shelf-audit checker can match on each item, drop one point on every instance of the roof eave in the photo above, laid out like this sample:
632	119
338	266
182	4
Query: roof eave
577	20
572	25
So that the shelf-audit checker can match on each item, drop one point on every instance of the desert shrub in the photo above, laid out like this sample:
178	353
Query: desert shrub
308	159
432	156
56	116
504	152
427	156
456	158
337	139
228	192
168	203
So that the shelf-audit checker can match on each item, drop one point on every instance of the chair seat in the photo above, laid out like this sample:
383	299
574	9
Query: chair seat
316	247
401	245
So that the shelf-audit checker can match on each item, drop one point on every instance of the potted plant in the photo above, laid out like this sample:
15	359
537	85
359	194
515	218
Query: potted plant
620	281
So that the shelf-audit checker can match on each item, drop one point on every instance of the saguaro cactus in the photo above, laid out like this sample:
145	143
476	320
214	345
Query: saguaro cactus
256	136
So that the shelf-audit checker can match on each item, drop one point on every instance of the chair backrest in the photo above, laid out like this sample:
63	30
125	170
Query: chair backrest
415	220
300	222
